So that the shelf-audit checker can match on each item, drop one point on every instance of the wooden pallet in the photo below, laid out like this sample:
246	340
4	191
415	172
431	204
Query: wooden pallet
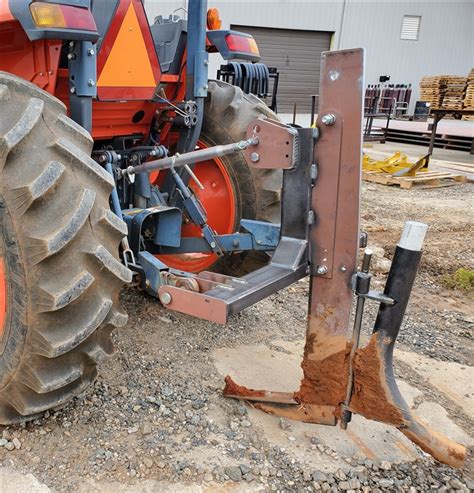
424	179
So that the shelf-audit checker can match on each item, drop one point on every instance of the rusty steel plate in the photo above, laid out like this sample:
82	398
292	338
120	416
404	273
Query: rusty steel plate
335	230
277	145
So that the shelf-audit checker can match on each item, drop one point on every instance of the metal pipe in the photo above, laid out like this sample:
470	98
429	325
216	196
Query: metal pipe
191	157
313	109
400	281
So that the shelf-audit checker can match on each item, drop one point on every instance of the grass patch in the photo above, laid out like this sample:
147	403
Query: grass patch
462	279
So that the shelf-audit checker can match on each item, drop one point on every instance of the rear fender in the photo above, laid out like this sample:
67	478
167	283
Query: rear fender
36	61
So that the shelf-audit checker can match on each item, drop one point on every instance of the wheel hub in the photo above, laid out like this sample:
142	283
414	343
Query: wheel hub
219	201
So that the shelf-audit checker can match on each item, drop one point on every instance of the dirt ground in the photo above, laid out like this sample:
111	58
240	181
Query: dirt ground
156	420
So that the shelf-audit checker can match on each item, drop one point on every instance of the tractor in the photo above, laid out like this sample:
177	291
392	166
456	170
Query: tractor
122	163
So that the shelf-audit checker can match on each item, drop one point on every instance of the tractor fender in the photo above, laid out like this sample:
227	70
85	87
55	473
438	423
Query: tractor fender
19	10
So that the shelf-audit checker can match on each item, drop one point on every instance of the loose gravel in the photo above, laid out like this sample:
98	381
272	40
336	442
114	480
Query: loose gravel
156	410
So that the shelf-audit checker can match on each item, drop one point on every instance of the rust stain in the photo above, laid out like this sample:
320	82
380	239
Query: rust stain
370	396
232	388
440	447
403	448
325	380
361	444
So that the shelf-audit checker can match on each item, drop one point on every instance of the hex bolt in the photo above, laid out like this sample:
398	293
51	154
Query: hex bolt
91	83
343	268
213	244
71	56
255	157
72	90
321	270
91	52
166	298
329	119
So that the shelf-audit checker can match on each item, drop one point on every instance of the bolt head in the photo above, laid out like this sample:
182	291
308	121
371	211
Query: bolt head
72	90
255	157
91	82
91	52
328	119
321	270
343	268
166	298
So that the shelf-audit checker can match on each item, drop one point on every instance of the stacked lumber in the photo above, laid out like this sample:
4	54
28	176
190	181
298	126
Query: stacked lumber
432	90
469	96
454	92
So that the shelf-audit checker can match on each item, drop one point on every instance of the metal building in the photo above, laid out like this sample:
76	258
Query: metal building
403	39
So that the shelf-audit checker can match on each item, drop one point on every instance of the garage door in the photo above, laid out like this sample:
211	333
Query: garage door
297	55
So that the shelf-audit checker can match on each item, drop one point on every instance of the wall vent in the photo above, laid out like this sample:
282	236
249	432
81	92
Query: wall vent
410	27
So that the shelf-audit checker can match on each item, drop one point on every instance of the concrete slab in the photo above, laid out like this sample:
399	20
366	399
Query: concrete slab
454	380
278	368
14	482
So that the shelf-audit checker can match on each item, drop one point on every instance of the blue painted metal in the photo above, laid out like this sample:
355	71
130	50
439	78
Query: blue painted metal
82	64
117	208
163	222
265	234
261	236
152	268
197	65
83	69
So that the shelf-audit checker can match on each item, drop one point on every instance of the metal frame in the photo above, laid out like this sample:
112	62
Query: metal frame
220	296
339	378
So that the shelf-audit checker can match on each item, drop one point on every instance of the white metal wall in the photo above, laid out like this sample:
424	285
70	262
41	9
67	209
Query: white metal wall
445	46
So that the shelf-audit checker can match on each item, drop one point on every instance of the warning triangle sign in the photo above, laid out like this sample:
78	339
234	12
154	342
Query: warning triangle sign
128	65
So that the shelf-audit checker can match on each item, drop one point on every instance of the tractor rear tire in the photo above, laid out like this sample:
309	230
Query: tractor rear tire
59	245
227	114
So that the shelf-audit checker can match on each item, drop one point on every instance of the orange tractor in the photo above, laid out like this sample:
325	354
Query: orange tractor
121	162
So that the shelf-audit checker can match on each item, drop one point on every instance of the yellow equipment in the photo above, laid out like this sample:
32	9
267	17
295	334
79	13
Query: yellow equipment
396	165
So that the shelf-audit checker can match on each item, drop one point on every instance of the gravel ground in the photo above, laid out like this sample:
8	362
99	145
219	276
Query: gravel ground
156	410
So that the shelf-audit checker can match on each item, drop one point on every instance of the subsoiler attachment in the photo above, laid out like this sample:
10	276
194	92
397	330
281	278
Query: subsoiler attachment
341	378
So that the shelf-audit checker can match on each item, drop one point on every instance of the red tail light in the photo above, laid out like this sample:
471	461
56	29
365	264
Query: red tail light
242	44
52	15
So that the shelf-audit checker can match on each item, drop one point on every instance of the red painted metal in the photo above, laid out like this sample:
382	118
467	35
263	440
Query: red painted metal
220	202
35	61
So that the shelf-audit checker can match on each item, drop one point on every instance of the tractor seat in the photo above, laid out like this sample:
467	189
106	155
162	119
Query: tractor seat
169	36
